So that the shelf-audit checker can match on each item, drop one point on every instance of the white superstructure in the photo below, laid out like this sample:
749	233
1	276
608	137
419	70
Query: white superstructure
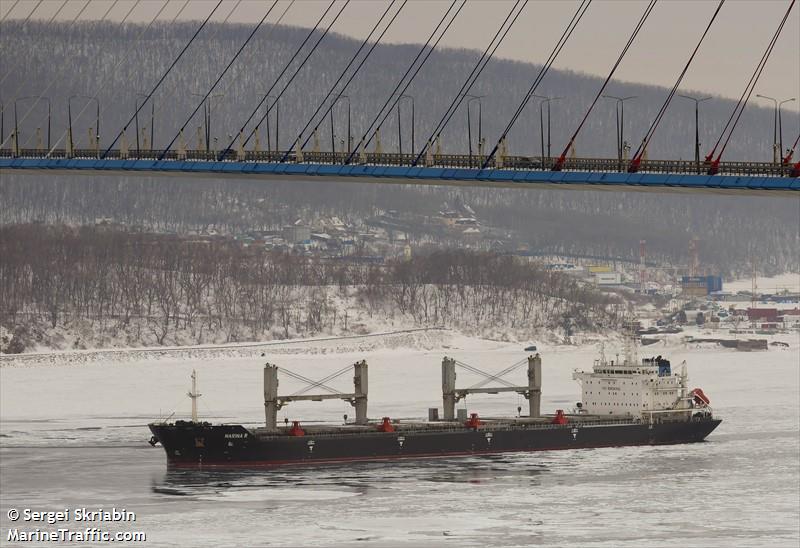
632	387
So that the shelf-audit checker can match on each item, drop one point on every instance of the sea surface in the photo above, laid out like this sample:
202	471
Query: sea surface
75	437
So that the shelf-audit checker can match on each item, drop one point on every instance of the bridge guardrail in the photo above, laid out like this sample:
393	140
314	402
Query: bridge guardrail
461	161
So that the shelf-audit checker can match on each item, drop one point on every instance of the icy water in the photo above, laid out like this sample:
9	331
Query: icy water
63	448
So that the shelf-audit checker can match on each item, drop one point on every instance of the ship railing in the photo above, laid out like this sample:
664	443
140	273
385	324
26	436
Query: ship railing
656	415
444	427
662	411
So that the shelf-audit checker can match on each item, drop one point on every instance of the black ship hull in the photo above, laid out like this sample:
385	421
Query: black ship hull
201	444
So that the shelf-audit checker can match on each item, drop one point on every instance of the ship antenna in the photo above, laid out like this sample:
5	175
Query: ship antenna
193	394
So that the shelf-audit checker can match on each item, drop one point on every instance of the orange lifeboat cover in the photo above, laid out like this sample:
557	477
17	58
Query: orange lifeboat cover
700	397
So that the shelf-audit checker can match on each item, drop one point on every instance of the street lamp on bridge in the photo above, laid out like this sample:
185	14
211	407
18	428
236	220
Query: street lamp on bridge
70	137
349	135
400	97
620	118
472	98
206	136
207	116
545	99
413	122
780	128
777	128
696	126
276	104
16	126
152	120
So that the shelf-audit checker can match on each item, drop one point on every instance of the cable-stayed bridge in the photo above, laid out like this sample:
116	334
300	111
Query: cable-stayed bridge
363	159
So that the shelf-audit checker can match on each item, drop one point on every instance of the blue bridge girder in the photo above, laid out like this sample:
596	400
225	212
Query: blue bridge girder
516	172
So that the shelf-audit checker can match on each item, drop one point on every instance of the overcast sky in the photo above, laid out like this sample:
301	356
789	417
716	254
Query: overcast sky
723	65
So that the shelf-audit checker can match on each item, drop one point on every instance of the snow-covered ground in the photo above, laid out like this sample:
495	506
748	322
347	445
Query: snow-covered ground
80	425
789	281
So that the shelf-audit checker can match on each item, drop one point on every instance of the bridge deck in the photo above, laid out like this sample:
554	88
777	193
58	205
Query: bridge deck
516	172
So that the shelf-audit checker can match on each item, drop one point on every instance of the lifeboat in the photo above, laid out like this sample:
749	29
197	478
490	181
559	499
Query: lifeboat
699	397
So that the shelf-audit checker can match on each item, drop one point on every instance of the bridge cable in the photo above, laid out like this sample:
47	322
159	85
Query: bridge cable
227	149
41	95
291	79
364	141
742	103
206	111
272	28
27	18
121	61
28	140
398	96
466	87
285	68
339	79
23	26
14	5
710	156
238	75
402	78
163	77
786	160
23	82
637	156
563	39
219	78
560	162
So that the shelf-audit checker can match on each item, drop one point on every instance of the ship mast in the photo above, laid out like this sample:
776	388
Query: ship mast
193	394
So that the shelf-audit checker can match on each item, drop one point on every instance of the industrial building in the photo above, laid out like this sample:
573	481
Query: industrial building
700	286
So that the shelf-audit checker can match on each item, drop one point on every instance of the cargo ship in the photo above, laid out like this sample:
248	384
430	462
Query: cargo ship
624	402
